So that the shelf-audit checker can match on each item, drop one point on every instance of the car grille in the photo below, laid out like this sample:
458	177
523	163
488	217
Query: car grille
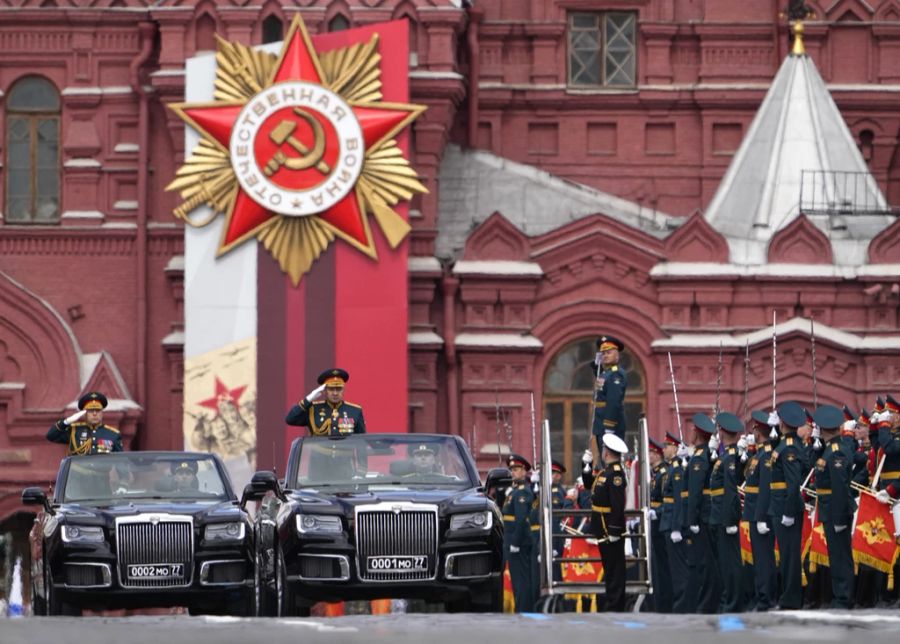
155	540
396	530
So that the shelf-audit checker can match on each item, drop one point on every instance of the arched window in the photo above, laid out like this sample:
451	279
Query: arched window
32	152
272	29
338	23
568	391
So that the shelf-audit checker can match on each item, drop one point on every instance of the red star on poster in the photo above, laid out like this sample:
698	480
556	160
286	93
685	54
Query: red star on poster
223	393
299	146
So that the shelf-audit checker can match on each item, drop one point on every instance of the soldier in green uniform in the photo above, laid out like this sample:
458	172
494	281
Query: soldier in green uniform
88	436
560	502
608	519
659	561
725	512
333	416
835	503
786	507
517	532
703	579
674	499
756	512
609	398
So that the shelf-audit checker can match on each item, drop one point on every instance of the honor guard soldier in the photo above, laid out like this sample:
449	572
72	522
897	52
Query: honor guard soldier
671	525
517	532
756	512
609	392
888	423
703	580
662	582
725	512
859	474
786	507
833	471
608	519
88	436
330	417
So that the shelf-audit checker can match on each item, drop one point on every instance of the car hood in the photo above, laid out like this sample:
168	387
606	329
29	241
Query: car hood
448	501
202	512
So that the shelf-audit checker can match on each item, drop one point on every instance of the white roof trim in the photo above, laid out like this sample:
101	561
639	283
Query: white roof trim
423	264
82	163
498	340
90	362
424	337
497	267
732	341
423	73
701	269
176	263
87	91
174	339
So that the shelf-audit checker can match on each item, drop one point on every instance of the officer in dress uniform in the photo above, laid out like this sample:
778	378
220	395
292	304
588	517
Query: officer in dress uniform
835	503
671	525
609	397
756	512
786	508
859	474
725	512
703	580
517	532
88	436
889	451
662	582
333	416
608	519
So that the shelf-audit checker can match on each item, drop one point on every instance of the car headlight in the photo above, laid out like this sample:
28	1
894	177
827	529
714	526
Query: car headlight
319	524
82	534
472	521
224	532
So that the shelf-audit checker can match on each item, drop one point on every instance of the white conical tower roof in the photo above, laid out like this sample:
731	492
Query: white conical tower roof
798	128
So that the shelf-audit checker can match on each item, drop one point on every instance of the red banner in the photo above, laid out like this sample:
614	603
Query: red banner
509	600
746	548
873	537
589	572
815	545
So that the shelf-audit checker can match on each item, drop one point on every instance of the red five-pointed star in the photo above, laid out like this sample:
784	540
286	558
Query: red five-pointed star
223	392
299	62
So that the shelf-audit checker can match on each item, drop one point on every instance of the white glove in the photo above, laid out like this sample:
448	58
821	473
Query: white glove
714	444
742	443
539	558
588	457
751	440
849	426
76	416
816	432
881	416
536	476
695	529
840	528
762	527
633	524
652	514
612	539
675	536
883	496
773	420
787	521
731	529
315	393
514	549
683	451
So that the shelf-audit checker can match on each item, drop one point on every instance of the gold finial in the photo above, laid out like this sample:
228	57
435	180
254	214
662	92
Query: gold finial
799	49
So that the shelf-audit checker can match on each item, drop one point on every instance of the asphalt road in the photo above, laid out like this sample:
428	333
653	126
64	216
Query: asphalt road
822	627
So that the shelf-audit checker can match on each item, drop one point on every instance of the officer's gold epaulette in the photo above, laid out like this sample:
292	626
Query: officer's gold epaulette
732	451
350	404
112	429
835	447
82	424
617	467
615	367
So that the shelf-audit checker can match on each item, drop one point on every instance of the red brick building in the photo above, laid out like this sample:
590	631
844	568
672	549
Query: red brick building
571	149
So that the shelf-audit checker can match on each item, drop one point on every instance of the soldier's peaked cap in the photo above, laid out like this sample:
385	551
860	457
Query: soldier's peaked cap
93	400
333	377
828	417
704	423
729	422
761	417
655	445
891	404
792	414
605	342
614	443
848	415
185	466
672	439
515	460
556	466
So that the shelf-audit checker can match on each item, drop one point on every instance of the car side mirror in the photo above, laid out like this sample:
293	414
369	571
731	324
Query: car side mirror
261	484
37	496
498	477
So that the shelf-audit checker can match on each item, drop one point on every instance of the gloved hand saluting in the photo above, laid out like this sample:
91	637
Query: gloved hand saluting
315	393
74	417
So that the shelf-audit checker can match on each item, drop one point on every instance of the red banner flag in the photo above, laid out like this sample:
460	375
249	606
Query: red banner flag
873	537
509	601
746	548
589	572
816	546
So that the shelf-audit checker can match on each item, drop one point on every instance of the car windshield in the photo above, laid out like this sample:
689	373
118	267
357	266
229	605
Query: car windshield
127	476
378	459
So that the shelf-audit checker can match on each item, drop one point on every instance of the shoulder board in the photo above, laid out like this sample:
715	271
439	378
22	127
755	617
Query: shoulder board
615	367
112	429
768	448
835	447
698	451
789	441
318	403
349	404
616	467
732	451
78	425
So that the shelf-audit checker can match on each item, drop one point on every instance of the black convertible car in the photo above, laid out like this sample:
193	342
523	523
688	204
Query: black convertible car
141	529
372	516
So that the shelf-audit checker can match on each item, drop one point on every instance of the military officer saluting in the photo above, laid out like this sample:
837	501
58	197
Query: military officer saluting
333	416
517	532
836	505
608	519
725	511
90	435
756	512
609	393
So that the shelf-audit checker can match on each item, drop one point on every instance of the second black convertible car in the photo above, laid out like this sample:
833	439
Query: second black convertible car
379	515
141	529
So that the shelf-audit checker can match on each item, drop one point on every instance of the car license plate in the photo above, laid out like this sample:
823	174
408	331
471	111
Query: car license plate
156	571
416	563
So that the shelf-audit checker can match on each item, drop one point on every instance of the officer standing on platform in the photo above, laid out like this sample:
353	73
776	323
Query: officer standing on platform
836	504
725	512
609	393
88	436
703	580
671	525
662	582
517	532
330	417
608	520
756	512
786	507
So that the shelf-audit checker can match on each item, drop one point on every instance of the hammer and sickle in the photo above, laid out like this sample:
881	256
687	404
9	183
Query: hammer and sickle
284	133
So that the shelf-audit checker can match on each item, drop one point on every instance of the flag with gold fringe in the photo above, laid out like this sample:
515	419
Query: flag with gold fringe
873	542
509	600
746	547
816	546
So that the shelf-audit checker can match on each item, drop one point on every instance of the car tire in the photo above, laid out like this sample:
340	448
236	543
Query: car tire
285	599
55	605
38	604
489	599
268	606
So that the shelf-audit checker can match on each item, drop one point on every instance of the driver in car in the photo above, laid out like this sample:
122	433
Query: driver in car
184	476
424	462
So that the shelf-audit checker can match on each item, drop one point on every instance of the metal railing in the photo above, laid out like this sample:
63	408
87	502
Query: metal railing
833	192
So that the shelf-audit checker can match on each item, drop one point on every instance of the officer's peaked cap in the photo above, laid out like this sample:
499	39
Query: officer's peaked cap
761	417
792	414
614	443
828	417
93	400
556	466
515	460
655	445
333	377
704	423
729	422
605	342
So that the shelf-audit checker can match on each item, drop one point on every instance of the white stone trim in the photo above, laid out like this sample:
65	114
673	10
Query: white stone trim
93	91
420	264
126	147
168	72
424	73
174	339
121	225
424	337
709	269
82	214
498	340
125	204
176	263
497	267
82	163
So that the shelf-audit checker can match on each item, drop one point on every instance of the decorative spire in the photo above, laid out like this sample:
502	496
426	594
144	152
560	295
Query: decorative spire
798	49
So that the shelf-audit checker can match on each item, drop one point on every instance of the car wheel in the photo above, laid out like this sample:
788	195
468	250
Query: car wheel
38	604
268	606
490	598
285	599
55	605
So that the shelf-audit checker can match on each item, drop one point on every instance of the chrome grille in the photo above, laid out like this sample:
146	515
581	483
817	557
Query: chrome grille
155	539
396	529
